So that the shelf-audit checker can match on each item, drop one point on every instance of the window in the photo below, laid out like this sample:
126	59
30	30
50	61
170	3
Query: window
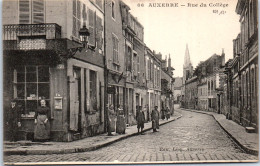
91	19
158	78
113	9
93	90
76	10
152	71
84	14
31	84
129	59
31	11
115	51
99	32
155	76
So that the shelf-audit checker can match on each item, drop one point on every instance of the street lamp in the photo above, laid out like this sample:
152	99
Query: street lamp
83	34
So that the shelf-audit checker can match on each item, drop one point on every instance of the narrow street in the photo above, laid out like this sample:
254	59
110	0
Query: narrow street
193	137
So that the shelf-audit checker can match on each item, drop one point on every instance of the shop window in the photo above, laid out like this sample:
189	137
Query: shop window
31	84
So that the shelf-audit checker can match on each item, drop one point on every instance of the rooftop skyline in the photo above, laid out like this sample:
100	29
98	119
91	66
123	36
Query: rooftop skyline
169	29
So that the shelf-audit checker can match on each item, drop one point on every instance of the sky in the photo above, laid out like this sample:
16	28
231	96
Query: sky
169	29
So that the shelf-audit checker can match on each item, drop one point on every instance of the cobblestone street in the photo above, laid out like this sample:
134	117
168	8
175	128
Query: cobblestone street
194	137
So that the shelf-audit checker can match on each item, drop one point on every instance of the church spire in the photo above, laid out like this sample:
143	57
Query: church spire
187	61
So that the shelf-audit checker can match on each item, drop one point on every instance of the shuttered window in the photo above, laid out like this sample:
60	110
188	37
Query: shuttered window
38	11
115	49
99	33
84	14
31	11
24	12
76	11
92	20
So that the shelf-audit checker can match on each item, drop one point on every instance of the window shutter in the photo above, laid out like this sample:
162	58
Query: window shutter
84	14
24	11
78	9
38	11
99	29
74	7
91	19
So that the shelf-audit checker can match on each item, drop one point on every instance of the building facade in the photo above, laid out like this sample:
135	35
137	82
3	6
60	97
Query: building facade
167	84
153	79
191	93
115	75
177	89
211	80
41	60
242	70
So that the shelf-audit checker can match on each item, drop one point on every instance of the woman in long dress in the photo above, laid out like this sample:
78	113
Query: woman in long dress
42	124
155	119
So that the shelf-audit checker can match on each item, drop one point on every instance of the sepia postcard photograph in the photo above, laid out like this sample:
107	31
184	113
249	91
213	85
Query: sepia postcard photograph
130	82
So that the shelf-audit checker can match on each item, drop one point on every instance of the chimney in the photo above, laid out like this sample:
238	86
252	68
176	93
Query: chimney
169	64
223	57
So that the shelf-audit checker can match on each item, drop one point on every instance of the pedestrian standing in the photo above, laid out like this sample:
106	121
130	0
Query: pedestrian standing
155	119
163	113
13	120
111	117
148	113
140	120
42	124
168	113
120	123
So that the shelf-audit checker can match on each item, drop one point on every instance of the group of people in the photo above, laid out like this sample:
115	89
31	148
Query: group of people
166	113
140	118
41	121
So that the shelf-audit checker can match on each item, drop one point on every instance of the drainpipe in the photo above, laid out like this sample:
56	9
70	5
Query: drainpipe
106	129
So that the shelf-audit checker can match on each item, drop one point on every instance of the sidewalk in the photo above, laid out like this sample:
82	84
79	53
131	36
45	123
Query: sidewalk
83	145
247	141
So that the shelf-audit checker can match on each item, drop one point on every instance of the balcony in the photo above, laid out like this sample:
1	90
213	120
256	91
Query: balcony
29	36
14	31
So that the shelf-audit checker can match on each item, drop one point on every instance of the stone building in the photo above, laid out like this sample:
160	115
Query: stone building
242	71
191	93
177	89
42	59
135	84
167	83
153	79
115	55
210	74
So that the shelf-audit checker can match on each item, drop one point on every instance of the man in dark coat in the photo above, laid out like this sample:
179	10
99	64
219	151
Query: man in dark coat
140	119
13	120
155	118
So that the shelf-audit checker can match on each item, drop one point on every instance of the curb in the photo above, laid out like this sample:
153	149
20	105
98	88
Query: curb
83	149
246	149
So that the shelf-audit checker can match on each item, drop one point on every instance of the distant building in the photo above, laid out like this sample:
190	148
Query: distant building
191	93
177	89
187	72
153	79
167	83
210	77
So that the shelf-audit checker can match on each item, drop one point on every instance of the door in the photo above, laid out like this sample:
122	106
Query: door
75	115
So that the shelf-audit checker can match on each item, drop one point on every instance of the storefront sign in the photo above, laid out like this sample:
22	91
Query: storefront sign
111	90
